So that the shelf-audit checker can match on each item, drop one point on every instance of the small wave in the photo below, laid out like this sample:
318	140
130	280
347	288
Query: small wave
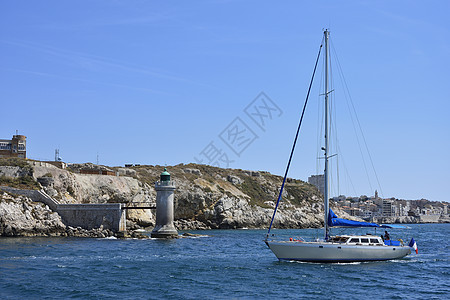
196	237
405	260
19	257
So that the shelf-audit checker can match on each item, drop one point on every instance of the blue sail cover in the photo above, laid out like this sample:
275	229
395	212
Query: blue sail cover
333	220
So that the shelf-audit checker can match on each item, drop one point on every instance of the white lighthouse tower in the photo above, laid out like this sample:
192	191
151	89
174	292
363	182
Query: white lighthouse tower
164	207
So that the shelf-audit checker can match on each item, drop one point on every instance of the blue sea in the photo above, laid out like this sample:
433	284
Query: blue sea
222	265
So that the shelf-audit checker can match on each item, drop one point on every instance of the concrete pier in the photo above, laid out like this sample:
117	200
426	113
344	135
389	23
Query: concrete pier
164	208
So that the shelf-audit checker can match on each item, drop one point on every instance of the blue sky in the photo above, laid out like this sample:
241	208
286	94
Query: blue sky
165	82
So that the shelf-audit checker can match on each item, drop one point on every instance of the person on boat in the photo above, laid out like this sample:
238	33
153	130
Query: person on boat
386	235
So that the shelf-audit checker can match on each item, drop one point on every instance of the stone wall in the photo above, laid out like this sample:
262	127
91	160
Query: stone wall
412	219
429	218
89	216
39	163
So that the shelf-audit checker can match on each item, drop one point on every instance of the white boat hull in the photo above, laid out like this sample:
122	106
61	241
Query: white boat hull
334	252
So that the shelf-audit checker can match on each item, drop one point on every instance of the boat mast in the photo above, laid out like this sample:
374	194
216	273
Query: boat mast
326	189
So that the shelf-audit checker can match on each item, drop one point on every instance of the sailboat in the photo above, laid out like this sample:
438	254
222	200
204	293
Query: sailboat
342	248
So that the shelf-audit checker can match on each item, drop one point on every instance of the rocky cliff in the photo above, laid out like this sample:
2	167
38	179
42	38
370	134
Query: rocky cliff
206	196
20	216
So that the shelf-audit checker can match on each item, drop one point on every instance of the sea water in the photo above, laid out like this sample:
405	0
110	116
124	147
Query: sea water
221	265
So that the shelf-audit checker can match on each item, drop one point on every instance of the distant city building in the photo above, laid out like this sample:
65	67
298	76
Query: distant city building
318	181
386	208
15	147
375	207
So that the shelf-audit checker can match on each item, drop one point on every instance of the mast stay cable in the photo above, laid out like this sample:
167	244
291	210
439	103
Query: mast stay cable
341	73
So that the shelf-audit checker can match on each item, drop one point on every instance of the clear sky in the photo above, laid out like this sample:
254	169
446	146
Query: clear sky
168	82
